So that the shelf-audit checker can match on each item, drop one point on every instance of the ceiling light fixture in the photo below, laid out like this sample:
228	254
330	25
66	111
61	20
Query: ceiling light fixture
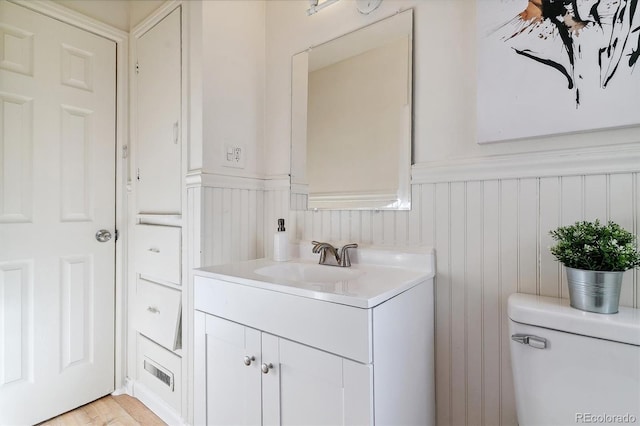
367	6
316	6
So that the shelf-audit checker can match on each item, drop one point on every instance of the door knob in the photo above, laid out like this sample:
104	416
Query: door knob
103	235
266	367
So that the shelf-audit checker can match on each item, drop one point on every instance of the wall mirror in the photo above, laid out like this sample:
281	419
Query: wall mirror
352	121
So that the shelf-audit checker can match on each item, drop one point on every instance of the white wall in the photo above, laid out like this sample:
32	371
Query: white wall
233	76
444	79
491	239
486	209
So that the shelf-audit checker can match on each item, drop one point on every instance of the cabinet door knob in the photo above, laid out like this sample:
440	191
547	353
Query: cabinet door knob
266	367
248	359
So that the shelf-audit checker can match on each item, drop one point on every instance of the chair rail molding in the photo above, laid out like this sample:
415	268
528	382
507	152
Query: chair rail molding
569	162
198	178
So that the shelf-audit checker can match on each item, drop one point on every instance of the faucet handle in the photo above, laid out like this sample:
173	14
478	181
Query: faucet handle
318	246
345	260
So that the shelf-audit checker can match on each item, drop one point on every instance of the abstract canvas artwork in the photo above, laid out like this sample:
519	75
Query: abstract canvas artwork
556	66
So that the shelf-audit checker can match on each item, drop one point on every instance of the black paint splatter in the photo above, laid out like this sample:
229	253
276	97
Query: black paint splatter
567	22
635	53
548	62
595	14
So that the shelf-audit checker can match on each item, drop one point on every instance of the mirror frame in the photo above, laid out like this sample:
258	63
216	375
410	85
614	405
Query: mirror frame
371	35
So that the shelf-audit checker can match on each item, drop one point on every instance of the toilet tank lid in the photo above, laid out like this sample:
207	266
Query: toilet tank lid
556	314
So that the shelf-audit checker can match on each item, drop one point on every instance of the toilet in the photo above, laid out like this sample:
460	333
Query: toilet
572	367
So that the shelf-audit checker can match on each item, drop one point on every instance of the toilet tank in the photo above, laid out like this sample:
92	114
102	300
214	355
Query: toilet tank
572	367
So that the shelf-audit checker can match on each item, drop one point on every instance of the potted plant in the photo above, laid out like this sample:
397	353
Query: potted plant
595	257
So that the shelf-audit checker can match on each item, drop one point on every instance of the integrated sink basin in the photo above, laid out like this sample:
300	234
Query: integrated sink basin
375	274
311	273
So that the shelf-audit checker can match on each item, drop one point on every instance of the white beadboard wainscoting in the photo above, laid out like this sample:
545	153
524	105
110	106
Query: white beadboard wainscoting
234	218
491	239
490	227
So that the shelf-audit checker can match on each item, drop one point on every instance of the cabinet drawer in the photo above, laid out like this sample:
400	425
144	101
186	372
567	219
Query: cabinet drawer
157	252
339	329
157	311
160	371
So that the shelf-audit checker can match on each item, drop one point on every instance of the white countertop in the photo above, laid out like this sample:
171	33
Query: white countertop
375	276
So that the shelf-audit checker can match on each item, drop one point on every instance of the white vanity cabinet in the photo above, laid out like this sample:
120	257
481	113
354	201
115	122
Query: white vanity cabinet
265	356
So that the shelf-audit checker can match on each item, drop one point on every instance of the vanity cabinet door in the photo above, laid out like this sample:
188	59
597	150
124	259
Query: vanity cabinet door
233	376
315	387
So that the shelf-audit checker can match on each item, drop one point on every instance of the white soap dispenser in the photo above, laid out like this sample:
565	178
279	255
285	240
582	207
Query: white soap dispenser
281	243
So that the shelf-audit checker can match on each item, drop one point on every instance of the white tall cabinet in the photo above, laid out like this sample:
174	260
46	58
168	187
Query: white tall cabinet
156	275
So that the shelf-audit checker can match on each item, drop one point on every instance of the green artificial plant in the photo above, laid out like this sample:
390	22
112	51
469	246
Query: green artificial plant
596	247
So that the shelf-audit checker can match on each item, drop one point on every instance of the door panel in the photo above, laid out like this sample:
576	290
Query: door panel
158	97
271	397
233	384
57	188
311	386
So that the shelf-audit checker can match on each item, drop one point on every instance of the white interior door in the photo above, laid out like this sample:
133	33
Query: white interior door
57	188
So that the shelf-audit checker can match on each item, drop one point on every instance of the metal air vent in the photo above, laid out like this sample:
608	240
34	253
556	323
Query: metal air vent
162	374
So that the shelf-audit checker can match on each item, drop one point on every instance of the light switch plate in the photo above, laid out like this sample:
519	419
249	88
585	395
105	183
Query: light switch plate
234	155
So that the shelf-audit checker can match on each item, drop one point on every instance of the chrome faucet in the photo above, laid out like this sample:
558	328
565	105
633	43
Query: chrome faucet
341	255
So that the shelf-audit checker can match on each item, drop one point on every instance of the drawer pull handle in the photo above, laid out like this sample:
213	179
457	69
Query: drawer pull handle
153	310
248	359
266	367
154	250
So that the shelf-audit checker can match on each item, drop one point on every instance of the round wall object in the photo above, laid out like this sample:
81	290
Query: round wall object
367	6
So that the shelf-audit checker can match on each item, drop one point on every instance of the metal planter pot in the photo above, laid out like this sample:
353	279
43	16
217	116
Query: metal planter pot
594	291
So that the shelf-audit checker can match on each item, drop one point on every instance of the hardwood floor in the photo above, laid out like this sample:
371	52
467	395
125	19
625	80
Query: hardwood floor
121	410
